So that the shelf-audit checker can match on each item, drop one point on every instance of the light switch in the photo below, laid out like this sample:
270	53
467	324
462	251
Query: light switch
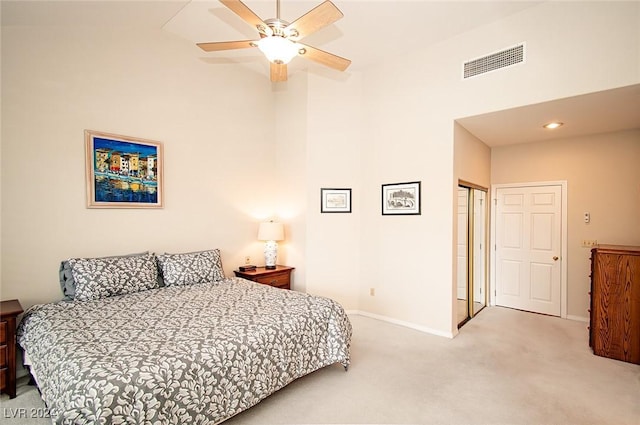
587	217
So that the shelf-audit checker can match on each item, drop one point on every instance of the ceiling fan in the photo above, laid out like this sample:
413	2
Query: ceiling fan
279	39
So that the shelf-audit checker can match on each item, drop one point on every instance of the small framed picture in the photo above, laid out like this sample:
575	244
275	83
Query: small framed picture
335	200
401	198
123	171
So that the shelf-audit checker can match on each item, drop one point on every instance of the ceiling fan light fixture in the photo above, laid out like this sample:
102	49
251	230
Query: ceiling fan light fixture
279	39
278	49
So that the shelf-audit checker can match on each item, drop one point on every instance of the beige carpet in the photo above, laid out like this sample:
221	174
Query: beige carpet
505	367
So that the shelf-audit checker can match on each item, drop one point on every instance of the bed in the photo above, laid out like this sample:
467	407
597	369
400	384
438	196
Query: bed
185	347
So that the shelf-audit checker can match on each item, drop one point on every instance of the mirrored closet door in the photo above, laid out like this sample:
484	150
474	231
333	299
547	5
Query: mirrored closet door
472	251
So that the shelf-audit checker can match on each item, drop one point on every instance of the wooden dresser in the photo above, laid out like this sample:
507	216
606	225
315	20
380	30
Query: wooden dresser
280	277
9	310
614	329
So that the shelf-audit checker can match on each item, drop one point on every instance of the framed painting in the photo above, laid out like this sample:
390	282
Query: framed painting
401	198
123	171
335	200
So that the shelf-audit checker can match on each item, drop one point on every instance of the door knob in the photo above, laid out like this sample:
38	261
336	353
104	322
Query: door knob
555	258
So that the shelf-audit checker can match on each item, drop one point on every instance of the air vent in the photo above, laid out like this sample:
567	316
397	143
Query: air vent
508	57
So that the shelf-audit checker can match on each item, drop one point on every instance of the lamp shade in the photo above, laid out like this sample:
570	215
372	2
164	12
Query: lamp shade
271	231
278	49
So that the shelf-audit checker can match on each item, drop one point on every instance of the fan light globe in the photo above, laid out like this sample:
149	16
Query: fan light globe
278	49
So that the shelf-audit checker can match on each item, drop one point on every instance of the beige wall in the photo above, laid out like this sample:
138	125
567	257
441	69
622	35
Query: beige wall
290	101
216	123
334	147
410	104
472	158
603	178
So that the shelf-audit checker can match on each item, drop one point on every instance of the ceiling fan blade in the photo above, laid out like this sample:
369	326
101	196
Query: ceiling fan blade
243	11
324	58
318	17
226	45
278	72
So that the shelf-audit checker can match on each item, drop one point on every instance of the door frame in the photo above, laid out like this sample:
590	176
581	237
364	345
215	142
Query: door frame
563	239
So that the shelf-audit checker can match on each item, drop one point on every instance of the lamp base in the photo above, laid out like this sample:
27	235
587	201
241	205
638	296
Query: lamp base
270	254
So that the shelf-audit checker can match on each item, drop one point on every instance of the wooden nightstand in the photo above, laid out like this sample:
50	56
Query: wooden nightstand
280	277
9	310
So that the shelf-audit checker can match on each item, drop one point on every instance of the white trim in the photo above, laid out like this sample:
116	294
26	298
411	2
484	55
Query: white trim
578	318
401	323
563	238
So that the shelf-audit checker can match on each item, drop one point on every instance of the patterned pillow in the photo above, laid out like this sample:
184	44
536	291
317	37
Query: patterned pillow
105	277
192	267
68	285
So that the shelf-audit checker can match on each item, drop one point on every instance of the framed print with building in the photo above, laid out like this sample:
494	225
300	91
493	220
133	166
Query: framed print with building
401	198
123	171
335	200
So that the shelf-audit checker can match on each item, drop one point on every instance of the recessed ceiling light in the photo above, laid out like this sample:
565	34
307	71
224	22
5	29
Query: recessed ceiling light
553	125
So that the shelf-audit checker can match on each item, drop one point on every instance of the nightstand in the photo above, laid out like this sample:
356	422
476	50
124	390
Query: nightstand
280	277
9	310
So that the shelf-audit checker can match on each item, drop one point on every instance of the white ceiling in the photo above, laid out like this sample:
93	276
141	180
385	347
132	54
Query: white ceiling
106	13
601	112
371	31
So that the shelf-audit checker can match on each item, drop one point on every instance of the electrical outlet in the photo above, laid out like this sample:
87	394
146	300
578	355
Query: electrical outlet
589	243
372	292
247	260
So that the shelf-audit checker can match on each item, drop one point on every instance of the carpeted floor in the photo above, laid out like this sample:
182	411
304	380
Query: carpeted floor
505	367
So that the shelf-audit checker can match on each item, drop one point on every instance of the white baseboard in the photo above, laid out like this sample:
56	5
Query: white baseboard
429	330
401	323
578	318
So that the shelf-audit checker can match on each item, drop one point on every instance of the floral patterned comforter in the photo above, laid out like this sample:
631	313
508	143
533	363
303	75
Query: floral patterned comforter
195	354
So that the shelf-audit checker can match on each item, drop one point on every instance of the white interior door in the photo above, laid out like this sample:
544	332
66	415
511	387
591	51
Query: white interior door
528	248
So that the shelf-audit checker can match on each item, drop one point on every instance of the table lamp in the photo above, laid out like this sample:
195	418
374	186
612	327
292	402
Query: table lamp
270	232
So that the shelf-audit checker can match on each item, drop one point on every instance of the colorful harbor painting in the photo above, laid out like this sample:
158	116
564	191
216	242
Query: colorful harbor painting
122	171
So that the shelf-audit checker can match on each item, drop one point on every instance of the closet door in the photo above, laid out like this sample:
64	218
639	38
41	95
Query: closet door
463	255
472	253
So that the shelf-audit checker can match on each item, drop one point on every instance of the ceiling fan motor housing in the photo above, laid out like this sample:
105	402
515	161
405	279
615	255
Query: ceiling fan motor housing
278	27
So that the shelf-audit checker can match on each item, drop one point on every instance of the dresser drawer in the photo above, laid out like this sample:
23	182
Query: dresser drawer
9	312
279	280
4	361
